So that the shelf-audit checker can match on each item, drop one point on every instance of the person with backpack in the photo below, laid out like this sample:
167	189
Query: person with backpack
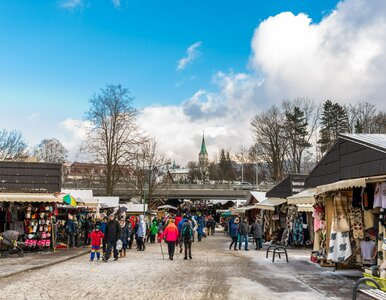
186	237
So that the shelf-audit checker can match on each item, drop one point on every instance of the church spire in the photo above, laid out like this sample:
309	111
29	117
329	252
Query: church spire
203	147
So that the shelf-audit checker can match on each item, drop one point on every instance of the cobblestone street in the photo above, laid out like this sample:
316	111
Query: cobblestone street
214	273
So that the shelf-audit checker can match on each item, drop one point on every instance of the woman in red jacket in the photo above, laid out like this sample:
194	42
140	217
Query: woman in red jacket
171	237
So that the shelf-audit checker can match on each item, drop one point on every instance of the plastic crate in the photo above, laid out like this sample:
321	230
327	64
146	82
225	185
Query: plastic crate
381	281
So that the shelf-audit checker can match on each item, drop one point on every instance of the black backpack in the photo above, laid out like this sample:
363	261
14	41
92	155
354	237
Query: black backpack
187	232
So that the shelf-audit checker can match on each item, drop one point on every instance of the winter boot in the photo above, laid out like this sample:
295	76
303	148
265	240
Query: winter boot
124	252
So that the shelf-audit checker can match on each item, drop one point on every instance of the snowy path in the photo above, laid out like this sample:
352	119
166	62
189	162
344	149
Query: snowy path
214	273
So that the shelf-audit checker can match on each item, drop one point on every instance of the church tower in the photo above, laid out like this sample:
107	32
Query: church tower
203	161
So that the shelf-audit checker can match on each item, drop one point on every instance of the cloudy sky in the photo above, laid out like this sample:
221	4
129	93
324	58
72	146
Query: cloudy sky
192	66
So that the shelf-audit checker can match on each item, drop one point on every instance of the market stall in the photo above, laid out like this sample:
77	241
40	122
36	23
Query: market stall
350	203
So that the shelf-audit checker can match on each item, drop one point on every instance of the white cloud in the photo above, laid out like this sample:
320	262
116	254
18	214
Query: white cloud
191	54
342	58
73	134
116	3
71	4
33	117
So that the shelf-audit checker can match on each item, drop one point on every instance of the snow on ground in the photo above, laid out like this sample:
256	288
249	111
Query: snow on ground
214	273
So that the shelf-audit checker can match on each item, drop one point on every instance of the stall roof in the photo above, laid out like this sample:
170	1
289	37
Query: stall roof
133	208
291	185
166	206
83	197
106	202
305	207
270	203
352	156
256	197
29	197
245	208
304	197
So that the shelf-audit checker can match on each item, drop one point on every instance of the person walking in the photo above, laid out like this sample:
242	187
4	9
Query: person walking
87	228
125	236
244	231
153	231
186	238
234	233
171	237
257	232
70	229
200	227
96	236
141	233
113	232
133	222
102	227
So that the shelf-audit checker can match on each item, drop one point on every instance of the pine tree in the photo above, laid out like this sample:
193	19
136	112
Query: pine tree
334	121
223	165
296	132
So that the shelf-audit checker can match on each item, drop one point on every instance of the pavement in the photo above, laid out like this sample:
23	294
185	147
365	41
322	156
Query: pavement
14	265
215	272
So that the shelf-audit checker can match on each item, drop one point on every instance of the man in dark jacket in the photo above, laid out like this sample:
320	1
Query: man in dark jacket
257	234
70	229
113	233
244	231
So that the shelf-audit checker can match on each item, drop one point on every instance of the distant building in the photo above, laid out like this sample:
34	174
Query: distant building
88	175
203	161
178	175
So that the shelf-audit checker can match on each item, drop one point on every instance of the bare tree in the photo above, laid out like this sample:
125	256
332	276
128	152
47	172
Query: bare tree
271	145
114	134
12	144
51	151
147	168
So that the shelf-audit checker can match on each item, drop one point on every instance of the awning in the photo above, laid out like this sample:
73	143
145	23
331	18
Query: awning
304	197
270	203
305	207
167	207
245	208
30	197
340	185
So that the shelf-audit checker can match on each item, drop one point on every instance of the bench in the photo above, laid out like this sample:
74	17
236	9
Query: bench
375	293
276	250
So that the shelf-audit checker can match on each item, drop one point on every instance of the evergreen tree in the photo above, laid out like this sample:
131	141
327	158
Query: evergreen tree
296	133
230	172
222	165
334	121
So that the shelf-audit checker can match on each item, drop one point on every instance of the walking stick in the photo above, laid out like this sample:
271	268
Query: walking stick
162	251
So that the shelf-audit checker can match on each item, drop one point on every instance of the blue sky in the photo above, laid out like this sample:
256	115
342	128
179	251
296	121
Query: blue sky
55	54
50	54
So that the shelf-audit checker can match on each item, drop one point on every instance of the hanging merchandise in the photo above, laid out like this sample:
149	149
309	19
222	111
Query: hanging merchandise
380	195
357	223
339	221
340	247
298	231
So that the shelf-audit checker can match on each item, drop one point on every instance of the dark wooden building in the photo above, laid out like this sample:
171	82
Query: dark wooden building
289	186
352	156
26	177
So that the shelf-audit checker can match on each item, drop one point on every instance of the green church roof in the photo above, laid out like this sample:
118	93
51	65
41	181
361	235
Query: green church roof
203	147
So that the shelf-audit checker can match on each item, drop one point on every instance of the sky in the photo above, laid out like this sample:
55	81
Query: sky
192	66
